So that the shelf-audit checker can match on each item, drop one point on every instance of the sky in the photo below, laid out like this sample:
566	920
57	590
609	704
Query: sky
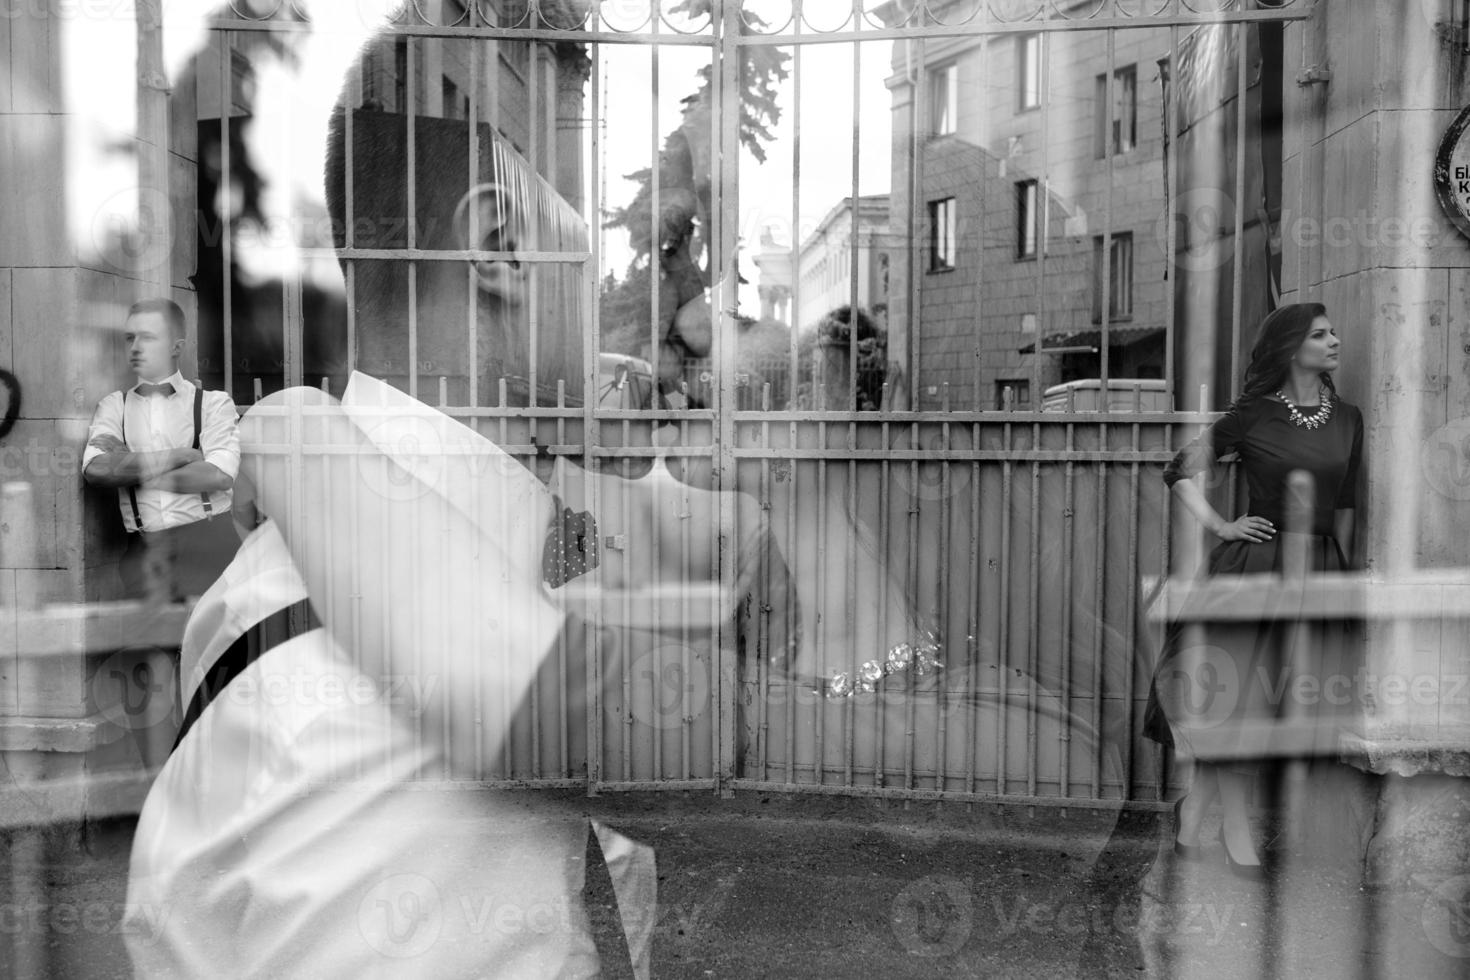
301	94
825	125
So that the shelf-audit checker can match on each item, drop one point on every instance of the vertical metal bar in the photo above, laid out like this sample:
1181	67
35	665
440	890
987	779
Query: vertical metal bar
655	225
656	629
226	239
685	717
763	636
1171	181
625	638
1099	609
1033	638
1242	37
970	697
1166	567
912	582
796	243
1043	207
1130	610
854	242
725	147
506	708
794	562
1068	530
824	668
918	214
942	556
1003	656
410	96
592	464
978	295
849	605
880	760
538	270
1106	271
476	52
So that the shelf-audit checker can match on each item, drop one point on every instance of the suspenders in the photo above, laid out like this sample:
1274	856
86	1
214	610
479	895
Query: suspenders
198	418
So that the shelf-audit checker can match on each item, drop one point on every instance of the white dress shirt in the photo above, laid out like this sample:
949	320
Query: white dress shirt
324	816
304	828
159	422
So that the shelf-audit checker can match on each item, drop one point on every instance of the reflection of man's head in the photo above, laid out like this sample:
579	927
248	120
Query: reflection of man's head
414	192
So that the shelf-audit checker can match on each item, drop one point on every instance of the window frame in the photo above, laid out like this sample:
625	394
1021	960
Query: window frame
1020	387
944	99
1104	142
1119	271
1028	236
1029	79
943	243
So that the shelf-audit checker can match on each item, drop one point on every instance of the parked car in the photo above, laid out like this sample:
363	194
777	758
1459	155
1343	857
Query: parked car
1124	395
624	382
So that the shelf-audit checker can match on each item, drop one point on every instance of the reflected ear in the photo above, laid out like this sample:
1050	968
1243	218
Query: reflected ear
484	210
486	218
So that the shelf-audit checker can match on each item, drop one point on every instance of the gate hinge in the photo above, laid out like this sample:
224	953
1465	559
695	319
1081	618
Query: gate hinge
1314	75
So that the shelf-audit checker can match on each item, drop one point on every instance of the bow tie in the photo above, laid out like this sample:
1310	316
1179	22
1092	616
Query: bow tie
164	389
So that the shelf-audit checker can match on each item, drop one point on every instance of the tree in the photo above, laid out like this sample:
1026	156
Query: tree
686	169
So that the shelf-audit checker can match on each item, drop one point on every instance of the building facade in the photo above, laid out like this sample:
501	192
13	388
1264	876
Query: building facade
1011	177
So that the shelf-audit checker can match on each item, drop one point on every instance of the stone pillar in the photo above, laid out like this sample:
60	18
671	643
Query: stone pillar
97	192
1363	233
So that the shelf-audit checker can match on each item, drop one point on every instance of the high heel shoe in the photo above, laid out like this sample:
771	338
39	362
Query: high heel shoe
1188	852
1250	872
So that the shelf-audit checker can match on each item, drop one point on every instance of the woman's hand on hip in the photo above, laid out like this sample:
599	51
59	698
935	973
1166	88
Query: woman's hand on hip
1249	528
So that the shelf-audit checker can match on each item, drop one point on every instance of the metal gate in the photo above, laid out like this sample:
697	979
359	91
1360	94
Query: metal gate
812	519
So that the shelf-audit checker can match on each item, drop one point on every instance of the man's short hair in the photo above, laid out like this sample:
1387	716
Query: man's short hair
173	314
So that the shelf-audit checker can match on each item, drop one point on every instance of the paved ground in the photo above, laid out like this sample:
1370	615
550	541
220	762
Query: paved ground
827	887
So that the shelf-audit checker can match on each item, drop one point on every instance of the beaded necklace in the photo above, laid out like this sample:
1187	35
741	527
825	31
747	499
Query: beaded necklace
1314	420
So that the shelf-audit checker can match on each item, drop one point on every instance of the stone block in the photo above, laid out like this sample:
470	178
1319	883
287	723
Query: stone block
7	350
9	656
28	538
36	66
1423	830
44	304
1403	193
53	686
6	85
33	194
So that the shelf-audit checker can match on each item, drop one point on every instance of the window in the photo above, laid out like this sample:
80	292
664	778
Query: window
1028	72
1122	135
449	93
944	99
1120	278
1026	219
1020	393
400	76
941	234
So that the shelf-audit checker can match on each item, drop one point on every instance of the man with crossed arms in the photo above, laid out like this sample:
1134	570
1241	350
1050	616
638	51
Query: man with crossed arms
172	451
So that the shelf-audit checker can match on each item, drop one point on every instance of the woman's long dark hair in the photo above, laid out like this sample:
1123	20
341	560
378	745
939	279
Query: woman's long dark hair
1280	336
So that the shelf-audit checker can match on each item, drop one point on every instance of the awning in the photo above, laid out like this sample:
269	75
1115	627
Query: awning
1117	337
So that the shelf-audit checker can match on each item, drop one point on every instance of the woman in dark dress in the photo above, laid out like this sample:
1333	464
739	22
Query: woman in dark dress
1220	688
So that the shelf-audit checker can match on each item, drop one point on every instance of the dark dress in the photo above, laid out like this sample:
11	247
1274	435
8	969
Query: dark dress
1221	690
